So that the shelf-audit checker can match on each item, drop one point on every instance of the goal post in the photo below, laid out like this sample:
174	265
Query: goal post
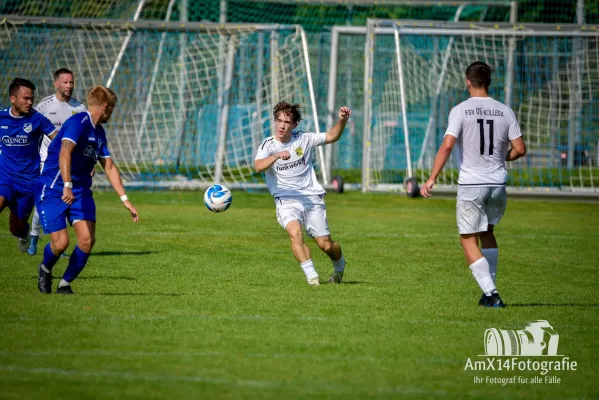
414	73
174	126
345	71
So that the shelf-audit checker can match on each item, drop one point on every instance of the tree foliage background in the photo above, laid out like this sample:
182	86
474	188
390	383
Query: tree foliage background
313	17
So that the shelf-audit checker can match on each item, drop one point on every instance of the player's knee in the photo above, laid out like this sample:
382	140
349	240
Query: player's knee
326	245
86	243
296	235
60	245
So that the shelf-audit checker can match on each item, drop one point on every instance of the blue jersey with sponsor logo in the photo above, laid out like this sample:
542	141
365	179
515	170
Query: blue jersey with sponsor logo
90	144
20	138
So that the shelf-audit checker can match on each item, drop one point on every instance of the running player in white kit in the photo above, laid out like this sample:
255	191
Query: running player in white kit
57	108
482	130
287	159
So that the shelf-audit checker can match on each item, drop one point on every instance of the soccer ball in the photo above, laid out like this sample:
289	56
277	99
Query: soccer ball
218	198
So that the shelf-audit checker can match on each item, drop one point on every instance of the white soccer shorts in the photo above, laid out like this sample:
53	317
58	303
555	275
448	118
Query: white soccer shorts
310	211
478	207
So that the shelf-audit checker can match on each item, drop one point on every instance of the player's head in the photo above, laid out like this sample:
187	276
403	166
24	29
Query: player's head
64	82
287	117
102	100
21	92
478	76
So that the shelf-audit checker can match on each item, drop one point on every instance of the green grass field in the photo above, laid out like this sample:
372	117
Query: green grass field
191	304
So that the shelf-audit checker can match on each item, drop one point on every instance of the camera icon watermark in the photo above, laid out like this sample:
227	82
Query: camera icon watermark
538	338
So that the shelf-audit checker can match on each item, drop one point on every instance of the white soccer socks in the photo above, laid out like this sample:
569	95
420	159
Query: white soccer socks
36	225
492	255
308	267
480	271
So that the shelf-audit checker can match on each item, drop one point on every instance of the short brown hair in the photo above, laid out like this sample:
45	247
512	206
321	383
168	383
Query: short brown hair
479	75
16	83
293	110
61	71
100	95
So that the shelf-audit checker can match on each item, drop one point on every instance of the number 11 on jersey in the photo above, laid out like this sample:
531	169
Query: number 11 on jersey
481	125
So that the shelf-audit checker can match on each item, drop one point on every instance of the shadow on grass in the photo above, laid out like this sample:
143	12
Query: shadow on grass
553	305
123	253
124	278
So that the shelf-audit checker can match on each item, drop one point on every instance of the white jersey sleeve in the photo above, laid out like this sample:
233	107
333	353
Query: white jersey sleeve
454	122
315	139
265	149
514	127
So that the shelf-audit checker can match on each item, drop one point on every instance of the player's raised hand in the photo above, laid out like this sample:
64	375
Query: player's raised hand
344	113
129	206
427	188
67	195
283	155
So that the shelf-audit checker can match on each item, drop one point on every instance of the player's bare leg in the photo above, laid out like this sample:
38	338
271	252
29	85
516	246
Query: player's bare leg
86	238
59	241
333	250
480	270
20	229
470	246
307	251
296	236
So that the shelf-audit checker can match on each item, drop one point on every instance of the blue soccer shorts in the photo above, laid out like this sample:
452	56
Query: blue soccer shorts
20	198
54	212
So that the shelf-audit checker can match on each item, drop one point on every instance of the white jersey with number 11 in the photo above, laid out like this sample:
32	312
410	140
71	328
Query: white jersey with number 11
483	128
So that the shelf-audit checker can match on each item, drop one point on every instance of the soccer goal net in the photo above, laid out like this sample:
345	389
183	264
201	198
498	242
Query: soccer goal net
194	100
415	74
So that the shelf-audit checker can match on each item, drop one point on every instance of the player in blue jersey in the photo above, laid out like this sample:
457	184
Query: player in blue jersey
21	129
64	189
57	108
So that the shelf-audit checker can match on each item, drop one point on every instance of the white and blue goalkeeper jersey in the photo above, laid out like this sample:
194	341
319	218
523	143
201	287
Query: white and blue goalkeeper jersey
90	144
20	138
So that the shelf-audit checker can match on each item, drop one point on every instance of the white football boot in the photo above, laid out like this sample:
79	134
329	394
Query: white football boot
314	281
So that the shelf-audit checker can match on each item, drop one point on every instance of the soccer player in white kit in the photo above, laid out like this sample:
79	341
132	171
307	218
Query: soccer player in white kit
57	108
482	130
287	159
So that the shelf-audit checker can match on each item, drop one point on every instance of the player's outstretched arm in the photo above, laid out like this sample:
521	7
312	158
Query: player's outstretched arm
265	163
335	133
114	177
64	163
440	160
